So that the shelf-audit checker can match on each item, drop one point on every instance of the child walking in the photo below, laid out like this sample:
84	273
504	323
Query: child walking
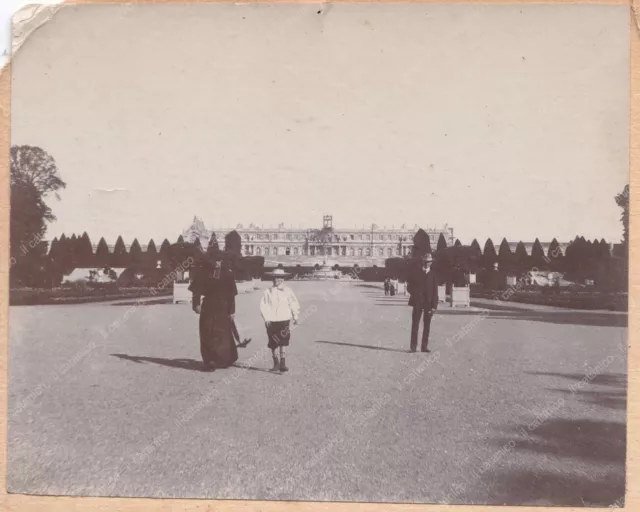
279	306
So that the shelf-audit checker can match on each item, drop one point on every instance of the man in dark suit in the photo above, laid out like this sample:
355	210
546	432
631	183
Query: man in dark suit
423	288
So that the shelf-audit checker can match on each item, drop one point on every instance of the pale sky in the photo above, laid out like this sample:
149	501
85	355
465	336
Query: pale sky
502	121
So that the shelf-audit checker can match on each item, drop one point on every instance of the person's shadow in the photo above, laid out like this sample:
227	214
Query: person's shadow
371	347
185	364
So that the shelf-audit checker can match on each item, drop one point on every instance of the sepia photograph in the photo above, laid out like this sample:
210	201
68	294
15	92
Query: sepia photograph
346	252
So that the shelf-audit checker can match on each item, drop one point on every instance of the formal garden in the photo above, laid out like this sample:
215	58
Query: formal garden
585	274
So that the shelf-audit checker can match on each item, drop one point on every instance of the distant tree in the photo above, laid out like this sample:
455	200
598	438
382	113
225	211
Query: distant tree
489	255
505	257
165	252
442	243
458	243
33	176
197	243
554	252
120	256
72	252
34	166
54	249
421	244
605	251
622	200
233	243
84	251
136	259
538	258
521	258
151	256
212	246
475	247
180	240
103	256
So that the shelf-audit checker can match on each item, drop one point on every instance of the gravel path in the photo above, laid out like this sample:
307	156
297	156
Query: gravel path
516	407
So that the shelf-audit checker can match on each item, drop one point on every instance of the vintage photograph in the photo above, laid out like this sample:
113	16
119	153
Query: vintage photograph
357	252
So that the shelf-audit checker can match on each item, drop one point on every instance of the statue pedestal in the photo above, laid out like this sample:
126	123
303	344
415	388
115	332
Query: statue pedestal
181	293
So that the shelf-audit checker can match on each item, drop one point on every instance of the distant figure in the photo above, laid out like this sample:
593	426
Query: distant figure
278	307
423	289
405	283
387	285
216	288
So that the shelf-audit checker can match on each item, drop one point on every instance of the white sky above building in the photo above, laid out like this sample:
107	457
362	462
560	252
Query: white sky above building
502	121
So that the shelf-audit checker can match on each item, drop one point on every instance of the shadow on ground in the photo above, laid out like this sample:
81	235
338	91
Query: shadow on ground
185	364
370	347
592	444
553	317
615	397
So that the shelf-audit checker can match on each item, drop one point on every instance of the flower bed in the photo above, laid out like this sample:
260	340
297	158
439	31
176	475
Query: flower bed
561	299
80	294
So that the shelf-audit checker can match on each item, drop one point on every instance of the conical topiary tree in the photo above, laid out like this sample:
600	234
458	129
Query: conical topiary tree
605	251
72	251
538	258
233	243
180	240
119	257
103	256
489	256
421	244
165	252
458	243
85	251
212	246
197	243
554	252
521	258
505	257
135	254
442	243
54	250
475	249
151	255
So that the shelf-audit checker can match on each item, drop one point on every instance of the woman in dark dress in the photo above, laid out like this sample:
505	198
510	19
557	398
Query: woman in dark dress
214	299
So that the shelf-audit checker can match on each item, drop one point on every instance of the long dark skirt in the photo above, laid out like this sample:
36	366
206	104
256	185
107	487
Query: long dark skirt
216	340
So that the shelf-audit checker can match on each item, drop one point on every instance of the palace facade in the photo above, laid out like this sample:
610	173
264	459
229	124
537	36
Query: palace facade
366	245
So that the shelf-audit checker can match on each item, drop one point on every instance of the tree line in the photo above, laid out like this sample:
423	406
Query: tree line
582	259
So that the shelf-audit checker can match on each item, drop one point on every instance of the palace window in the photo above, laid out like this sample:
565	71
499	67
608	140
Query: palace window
258	251
369	237
390	251
381	251
359	251
287	251
344	251
295	251
351	237
266	251
351	252
368	251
